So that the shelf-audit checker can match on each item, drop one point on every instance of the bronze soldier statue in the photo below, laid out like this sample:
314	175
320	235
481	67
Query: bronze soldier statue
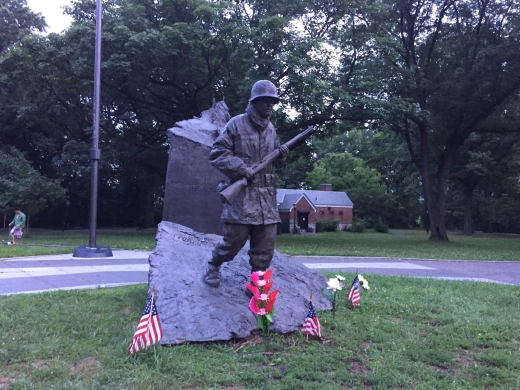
245	140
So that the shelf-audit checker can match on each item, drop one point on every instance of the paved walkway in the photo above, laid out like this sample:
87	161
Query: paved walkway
63	272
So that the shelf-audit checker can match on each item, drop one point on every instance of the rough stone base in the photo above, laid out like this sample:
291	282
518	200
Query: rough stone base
192	311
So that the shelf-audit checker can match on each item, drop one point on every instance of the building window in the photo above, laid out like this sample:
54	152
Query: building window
341	213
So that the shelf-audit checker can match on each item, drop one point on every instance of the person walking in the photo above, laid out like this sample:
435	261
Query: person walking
245	140
18	224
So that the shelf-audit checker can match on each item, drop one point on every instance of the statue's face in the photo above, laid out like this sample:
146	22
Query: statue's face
264	106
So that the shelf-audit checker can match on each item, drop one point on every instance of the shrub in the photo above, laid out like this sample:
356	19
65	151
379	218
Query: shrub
326	225
357	227
284	227
381	227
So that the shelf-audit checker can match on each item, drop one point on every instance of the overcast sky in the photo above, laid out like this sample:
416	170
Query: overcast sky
53	13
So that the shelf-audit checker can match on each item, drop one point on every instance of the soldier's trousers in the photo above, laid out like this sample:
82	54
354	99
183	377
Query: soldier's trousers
262	241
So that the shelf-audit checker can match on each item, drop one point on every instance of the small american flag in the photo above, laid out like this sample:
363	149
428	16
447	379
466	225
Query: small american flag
311	325
149	330
353	293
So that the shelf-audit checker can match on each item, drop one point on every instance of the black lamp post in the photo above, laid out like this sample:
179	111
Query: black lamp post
91	250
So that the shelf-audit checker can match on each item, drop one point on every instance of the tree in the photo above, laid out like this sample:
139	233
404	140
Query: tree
17	21
483	157
382	151
161	62
385	152
164	61
17	24
364	185
450	67
22	186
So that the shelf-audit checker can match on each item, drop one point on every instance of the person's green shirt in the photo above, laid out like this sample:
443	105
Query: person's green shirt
19	220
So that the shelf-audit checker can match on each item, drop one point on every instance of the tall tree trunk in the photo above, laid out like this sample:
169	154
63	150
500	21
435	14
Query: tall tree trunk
438	221
434	190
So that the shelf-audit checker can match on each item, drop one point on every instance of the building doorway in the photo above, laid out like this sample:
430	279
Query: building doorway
303	219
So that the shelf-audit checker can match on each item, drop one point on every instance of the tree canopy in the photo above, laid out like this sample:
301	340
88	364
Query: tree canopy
411	98
22	186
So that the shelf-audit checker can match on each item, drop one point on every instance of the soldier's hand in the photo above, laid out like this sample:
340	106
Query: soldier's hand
284	150
248	173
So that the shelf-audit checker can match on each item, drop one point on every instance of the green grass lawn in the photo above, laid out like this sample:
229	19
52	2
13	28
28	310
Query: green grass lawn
409	334
37	242
400	244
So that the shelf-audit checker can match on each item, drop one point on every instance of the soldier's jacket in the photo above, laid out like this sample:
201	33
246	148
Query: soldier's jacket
245	140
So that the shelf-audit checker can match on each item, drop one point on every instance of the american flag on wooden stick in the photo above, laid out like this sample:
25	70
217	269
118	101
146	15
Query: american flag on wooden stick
149	330
353	292
311	325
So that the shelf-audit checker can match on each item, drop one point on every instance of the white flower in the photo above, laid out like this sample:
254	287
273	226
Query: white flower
334	284
339	277
363	282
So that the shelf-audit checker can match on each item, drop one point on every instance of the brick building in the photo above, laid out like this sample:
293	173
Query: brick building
301	208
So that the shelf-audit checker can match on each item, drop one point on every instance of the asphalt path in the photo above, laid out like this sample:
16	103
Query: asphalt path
63	272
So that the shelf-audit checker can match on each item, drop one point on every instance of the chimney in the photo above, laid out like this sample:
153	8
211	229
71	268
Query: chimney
325	187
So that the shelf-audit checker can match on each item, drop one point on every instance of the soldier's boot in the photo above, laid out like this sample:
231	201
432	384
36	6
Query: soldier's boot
212	275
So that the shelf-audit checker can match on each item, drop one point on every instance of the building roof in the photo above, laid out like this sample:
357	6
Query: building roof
285	199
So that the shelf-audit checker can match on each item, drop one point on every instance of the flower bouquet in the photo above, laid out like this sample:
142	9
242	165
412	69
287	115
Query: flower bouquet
262	302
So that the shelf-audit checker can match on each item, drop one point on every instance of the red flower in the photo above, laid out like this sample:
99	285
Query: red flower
267	275
253	289
267	287
255	278
255	309
271	301
262	301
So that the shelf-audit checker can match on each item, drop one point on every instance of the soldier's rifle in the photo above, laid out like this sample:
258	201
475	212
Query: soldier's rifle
230	193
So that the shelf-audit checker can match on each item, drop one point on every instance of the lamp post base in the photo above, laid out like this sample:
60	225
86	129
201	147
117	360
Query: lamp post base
87	252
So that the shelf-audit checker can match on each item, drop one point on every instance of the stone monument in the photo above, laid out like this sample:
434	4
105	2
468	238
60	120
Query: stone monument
189	309
191	197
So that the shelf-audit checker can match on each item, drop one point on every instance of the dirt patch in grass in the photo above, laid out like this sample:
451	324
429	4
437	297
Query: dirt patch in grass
357	367
5	382
397	320
90	366
126	310
251	340
445	370
463	359
233	388
39	364
362	349
368	386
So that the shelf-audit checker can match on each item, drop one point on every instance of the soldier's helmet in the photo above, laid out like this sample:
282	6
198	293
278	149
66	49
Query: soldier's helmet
264	88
